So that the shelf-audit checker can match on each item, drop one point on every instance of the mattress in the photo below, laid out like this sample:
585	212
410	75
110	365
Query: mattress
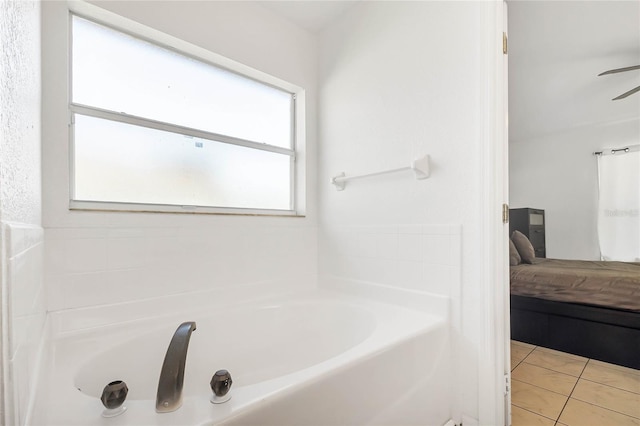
613	285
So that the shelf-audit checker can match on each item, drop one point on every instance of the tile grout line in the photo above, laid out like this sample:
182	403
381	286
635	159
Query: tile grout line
597	405
522	408
522	360
601	384
544	389
519	362
554	370
533	412
573	389
609	386
539	387
550	369
606	409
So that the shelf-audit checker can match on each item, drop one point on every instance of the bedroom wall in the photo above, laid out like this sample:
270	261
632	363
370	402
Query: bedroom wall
558	173
97	258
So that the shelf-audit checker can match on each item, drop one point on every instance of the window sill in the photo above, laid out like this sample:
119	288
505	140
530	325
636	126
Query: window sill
174	209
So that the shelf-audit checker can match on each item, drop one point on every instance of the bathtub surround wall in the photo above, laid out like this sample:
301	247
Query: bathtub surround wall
21	234
26	314
424	258
98	266
399	80
97	258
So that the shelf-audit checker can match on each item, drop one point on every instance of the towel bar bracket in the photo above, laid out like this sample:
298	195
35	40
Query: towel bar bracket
339	184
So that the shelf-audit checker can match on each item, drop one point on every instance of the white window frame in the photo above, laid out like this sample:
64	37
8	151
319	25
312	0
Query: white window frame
144	33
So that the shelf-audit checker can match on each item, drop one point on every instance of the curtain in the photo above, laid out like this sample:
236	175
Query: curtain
619	204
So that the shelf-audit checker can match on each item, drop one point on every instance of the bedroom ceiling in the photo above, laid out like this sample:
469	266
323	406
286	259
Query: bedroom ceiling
556	51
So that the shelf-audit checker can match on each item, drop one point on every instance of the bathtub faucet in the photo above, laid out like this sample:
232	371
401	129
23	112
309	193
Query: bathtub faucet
169	396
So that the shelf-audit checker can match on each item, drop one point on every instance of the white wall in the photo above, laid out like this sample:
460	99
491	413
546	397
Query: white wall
398	80
21	238
95	258
558	173
20	85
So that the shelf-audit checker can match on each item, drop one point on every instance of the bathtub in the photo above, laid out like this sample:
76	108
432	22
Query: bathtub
314	358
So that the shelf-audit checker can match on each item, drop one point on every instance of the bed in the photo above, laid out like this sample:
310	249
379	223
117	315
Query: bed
587	308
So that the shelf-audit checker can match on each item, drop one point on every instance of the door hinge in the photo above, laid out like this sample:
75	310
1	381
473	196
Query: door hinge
507	384
505	213
505	47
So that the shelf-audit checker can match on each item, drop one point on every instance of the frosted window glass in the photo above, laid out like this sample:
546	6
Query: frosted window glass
120	73
119	162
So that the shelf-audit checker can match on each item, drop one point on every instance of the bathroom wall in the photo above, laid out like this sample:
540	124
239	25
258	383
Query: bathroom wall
399	80
540	178
21	234
96	258
396	80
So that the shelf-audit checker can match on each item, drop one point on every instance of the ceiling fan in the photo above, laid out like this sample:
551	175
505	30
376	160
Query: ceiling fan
617	70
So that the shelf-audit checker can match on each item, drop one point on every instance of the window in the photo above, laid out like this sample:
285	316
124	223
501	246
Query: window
156	129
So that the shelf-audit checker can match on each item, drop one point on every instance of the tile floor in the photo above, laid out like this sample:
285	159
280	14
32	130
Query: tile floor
551	388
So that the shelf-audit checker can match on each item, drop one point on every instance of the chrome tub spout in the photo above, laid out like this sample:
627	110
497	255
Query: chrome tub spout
169	396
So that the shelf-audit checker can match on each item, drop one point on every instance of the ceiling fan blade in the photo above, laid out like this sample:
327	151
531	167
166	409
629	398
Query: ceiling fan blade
617	70
625	94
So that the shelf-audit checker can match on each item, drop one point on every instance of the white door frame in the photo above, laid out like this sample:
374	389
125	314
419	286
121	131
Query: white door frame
493	356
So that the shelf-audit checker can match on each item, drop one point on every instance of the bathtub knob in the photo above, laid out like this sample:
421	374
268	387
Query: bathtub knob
220	385
113	397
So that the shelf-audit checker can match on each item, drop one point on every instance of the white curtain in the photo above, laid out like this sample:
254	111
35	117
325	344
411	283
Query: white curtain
619	204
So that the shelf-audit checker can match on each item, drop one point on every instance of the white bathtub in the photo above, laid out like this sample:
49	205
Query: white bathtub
316	358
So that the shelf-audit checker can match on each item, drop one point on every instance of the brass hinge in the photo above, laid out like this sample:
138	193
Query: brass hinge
505	213
505	47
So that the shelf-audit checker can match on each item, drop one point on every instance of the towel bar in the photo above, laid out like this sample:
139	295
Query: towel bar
419	166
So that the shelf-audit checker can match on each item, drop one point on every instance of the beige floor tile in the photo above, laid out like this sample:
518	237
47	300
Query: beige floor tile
545	378
614	366
578	413
613	375
521	417
515	361
557	361
519	352
523	344
564	354
540	401
607	397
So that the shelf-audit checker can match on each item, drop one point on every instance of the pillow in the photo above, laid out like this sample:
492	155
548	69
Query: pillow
514	256
522	243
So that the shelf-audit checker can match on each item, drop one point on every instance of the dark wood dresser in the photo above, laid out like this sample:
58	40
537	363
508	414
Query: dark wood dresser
531	223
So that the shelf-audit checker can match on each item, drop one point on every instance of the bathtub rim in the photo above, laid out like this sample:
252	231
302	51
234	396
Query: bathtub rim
72	321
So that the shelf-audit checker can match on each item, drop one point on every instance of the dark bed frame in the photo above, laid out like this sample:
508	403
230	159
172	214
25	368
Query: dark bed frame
604	334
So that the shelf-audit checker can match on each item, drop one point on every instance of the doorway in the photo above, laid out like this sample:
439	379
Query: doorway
560	112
